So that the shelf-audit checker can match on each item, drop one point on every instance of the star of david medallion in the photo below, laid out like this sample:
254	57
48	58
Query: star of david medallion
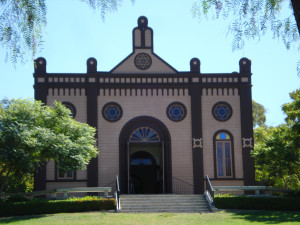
222	111
142	61
112	112
176	111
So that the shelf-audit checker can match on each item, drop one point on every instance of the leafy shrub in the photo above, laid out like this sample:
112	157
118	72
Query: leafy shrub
34	207
294	193
17	198
257	203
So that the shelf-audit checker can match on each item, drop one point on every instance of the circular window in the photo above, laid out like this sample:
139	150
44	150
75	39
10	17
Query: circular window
222	111
142	61
70	107
112	112
176	111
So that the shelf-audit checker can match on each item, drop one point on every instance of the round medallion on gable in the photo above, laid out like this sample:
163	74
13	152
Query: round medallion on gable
176	111
112	112
142	61
222	111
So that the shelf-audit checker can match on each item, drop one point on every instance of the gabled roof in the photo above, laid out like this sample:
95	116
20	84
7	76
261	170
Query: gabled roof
143	60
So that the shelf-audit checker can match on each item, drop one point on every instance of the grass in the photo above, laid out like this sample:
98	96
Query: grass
232	217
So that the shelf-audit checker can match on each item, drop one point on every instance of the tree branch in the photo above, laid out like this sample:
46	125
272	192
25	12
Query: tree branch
296	8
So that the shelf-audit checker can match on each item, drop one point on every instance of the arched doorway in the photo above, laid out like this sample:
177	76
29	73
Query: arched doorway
145	157
144	173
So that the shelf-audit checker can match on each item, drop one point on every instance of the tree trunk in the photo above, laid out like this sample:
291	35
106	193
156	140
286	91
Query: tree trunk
285	183
2	184
296	8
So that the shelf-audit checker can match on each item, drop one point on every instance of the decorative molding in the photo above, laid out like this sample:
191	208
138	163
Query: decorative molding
247	142
197	143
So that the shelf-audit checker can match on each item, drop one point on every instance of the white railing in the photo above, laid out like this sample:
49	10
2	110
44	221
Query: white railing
65	191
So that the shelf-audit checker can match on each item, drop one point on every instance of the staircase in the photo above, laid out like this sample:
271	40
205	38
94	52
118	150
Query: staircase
170	203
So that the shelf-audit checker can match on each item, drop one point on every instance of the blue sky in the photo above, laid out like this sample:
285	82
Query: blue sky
75	32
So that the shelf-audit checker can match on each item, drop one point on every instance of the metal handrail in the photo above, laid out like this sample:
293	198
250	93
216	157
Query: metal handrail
210	194
209	187
117	194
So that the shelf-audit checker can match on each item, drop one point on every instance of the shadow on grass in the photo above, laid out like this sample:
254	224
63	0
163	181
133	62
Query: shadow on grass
4	220
268	217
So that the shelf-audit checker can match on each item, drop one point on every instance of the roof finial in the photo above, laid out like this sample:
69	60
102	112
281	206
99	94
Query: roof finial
142	22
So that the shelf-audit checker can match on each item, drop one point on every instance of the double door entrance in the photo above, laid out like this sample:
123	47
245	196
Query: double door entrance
145	167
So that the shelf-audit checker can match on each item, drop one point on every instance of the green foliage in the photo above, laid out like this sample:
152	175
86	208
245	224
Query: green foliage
277	149
294	193
35	207
103	5
21	26
257	203
23	22
251	19
17	198
19	184
292	110
88	197
31	134
258	114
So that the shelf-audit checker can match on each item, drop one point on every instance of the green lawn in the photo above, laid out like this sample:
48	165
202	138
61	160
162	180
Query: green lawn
223	217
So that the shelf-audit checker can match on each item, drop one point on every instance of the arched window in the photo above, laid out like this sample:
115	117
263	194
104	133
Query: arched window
71	107
144	134
223	155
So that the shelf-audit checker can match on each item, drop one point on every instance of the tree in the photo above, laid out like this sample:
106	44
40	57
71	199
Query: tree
22	24
31	134
258	114
292	110
277	159
251	18
277	149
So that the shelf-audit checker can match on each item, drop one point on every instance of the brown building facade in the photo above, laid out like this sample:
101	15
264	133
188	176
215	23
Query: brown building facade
159	129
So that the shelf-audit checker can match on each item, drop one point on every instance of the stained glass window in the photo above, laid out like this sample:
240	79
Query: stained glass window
222	111
176	111
223	136
112	112
220	159
144	134
223	154
141	162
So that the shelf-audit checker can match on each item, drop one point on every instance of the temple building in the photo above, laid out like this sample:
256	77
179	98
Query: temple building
160	130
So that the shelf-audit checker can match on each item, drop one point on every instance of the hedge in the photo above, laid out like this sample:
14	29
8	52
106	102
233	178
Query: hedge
257	203
35	207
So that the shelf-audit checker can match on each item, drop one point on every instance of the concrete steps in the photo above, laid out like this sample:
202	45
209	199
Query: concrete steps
170	203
